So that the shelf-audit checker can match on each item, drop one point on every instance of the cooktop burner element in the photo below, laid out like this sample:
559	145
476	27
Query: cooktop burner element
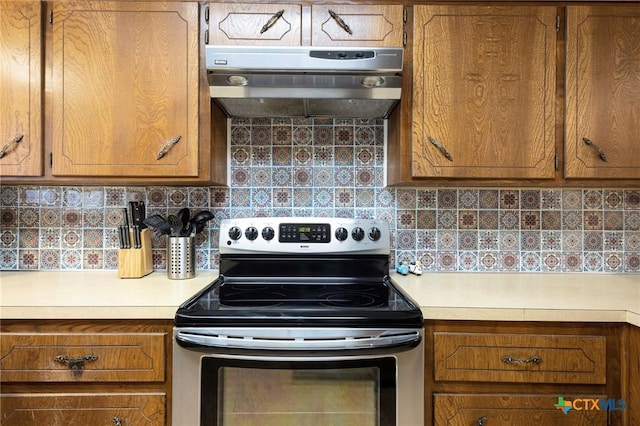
302	272
303	296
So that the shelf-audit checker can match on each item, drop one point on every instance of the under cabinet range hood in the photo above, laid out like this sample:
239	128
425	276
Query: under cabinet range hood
305	81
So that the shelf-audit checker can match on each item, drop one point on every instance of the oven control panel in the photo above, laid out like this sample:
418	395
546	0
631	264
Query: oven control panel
304	234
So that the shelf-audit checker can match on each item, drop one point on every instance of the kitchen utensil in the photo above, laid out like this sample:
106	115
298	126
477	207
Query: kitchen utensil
184	215
158	223
199	221
176	225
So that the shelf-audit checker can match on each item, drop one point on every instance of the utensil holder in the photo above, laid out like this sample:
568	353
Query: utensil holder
181	255
136	263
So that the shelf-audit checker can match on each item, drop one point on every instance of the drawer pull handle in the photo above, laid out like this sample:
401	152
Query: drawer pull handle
75	363
14	141
441	148
272	21
165	149
117	421
592	144
533	360
340	22
481	421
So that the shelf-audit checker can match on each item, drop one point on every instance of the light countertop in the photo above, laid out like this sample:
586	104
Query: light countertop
452	296
94	294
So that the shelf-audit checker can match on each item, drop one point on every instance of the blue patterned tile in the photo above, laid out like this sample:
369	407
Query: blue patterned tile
335	167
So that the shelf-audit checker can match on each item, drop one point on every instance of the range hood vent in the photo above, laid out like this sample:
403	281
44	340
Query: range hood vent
304	81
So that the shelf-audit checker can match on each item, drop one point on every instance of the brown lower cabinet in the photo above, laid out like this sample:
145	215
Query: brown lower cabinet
106	372
509	410
525	373
85	372
116	409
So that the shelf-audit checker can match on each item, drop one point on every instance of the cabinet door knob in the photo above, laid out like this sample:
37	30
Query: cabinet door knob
481	421
117	421
7	147
595	146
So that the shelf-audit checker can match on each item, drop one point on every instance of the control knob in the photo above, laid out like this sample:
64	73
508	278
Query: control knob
374	234
342	234
235	233
268	233
357	234
251	233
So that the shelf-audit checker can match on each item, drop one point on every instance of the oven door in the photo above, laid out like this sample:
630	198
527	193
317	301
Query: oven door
313	389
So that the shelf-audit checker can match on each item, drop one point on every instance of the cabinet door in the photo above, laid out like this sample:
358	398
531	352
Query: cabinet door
83	409
603	92
483	98
357	25
125	89
255	24
509	410
20	89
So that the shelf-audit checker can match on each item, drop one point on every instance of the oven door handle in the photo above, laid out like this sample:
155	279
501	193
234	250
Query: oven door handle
297	339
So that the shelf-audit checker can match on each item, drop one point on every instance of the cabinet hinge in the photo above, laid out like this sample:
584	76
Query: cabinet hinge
557	23
556	162
206	14
404	15
51	159
206	36
51	16
404	39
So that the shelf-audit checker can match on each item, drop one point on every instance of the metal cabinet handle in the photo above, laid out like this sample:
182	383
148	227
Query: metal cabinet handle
533	360
595	146
340	22
75	363
441	147
271	22
481	421
165	149
117	421
7	147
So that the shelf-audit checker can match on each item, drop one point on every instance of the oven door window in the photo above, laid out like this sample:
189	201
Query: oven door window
243	392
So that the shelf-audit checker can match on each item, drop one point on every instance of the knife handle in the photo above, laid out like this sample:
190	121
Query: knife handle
136	237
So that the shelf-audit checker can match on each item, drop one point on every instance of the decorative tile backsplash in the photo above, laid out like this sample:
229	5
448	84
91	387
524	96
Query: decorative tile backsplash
324	167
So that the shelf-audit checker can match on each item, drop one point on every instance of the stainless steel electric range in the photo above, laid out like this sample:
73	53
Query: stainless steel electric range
303	326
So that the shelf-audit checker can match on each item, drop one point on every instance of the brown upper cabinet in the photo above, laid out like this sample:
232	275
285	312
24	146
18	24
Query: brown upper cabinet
483	92
125	89
20	88
603	92
304	25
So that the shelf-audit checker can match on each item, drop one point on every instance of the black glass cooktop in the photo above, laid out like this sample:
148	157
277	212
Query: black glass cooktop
302	296
328	302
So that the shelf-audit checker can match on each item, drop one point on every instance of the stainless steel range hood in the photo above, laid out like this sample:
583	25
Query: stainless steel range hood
260	81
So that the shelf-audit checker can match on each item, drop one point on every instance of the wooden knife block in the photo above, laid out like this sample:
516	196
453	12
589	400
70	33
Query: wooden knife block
136	263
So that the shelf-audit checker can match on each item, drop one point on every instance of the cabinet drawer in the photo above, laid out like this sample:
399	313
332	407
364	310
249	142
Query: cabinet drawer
509	410
82	357
528	358
83	409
